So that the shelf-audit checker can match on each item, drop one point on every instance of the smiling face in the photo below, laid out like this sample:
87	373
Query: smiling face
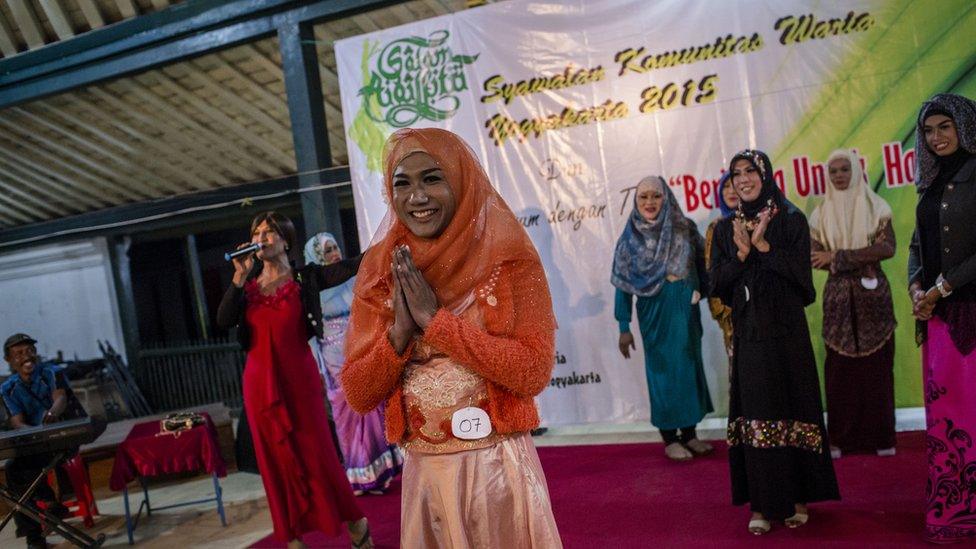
746	180
650	199
940	134
22	359
422	198
729	197
839	170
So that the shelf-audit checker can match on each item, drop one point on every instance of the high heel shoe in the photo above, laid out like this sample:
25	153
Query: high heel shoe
797	520
758	527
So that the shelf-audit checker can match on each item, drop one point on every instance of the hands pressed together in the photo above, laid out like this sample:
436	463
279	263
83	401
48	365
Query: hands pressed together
745	242
414	301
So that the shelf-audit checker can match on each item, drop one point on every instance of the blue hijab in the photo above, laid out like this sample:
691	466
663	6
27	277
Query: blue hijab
648	251
722	206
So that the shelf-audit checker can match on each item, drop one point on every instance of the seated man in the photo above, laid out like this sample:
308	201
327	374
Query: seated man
34	395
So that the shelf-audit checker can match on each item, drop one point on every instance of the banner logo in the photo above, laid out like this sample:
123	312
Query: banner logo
416	78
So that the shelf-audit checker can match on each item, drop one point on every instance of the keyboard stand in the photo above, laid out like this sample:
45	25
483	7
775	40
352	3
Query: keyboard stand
22	505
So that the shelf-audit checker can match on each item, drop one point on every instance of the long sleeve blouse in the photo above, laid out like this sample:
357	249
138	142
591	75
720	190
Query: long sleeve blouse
514	353
768	291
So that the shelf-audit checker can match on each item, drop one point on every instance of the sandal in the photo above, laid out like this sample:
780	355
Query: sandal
759	527
365	540
699	447
797	520
677	452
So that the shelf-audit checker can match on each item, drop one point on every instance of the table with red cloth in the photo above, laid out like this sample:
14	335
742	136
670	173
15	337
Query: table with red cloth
148	451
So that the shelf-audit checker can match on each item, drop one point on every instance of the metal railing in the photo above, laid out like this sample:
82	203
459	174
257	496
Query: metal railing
190	374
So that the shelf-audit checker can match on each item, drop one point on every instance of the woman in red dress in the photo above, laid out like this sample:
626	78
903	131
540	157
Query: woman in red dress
274	306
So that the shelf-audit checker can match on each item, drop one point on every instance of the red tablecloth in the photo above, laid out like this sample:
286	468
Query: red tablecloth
148	452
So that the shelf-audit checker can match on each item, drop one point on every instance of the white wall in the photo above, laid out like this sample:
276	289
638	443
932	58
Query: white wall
63	296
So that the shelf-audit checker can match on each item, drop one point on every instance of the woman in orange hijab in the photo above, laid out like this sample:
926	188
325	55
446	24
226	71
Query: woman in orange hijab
452	327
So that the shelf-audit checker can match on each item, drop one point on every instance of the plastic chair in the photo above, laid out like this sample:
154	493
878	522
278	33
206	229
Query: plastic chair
83	503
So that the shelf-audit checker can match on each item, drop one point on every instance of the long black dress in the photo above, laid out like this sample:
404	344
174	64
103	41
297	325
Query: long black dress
778	447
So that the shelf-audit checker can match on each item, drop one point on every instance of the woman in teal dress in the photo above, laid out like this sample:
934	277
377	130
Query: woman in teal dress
660	259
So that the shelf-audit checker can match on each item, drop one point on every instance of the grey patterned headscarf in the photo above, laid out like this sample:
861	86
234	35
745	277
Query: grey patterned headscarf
962	111
648	251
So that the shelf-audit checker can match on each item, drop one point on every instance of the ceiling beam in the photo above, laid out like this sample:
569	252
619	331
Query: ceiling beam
333	113
58	18
169	153
92	14
140	156
283	160
11	203
139	217
54	202
90	194
7	220
149	177
219	91
7	45
221	141
66	165
127	8
202	27
213	146
38	142
26	19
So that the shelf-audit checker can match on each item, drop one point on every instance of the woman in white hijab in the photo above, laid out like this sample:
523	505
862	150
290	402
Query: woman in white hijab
370	461
851	234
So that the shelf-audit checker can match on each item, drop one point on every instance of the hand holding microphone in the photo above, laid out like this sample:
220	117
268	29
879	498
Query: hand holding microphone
242	251
243	258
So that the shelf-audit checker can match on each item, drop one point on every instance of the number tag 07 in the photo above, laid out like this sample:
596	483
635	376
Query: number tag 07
470	423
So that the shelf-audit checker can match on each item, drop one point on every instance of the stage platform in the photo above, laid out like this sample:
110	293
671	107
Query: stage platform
604	495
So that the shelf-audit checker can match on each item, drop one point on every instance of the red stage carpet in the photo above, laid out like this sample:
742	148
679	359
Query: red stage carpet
630	495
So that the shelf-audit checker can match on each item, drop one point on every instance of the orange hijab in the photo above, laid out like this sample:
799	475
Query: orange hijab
483	234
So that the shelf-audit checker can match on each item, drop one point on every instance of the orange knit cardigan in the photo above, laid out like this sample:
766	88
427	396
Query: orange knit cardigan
514	353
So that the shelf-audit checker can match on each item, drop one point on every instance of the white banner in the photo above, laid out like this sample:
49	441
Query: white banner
569	104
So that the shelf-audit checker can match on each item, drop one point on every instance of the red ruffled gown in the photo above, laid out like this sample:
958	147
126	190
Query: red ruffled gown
306	485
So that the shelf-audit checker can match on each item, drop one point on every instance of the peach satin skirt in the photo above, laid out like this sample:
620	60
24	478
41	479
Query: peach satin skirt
485	498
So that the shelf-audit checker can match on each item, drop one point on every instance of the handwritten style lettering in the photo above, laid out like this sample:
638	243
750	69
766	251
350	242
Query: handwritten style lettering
502	128
638	61
497	89
796	29
417	78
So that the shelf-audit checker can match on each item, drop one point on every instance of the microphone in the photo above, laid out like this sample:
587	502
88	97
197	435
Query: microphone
243	251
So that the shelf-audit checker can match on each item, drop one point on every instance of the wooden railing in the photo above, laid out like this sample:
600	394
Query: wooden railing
191	374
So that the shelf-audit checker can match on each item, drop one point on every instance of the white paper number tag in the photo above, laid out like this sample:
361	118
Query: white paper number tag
869	283
470	423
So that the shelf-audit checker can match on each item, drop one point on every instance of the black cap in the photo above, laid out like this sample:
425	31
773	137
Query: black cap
17	339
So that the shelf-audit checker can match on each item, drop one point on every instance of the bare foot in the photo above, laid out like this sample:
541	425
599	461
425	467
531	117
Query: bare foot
296	544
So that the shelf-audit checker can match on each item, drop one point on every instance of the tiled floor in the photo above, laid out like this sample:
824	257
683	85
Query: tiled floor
188	527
